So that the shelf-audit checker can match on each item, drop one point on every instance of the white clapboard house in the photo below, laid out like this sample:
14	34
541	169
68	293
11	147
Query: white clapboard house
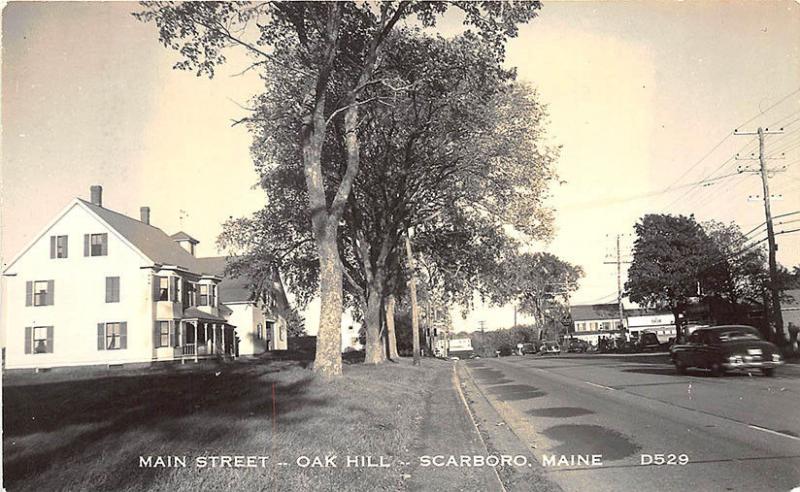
97	287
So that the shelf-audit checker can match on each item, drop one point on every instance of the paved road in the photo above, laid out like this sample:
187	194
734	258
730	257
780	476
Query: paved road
739	432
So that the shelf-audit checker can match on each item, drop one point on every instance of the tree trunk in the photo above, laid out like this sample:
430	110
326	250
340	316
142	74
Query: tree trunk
328	359
375	353
390	301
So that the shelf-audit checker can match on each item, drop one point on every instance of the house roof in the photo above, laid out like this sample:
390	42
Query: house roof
194	313
150	240
182	236
231	289
594	312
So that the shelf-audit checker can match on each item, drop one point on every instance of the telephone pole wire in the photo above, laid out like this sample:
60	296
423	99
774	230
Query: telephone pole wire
777	318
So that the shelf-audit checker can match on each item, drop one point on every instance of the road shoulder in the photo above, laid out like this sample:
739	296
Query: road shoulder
499	438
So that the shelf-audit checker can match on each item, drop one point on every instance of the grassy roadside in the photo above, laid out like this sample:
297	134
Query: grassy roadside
87	432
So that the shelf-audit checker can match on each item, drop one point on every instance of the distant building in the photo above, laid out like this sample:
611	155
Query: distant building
458	347
590	322
662	323
99	287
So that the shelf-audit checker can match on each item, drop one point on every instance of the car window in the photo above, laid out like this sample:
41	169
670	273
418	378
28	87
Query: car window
737	334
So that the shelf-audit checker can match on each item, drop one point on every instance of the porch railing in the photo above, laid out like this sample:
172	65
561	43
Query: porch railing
188	349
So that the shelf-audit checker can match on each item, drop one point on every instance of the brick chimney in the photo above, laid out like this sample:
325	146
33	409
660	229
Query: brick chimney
144	212
96	192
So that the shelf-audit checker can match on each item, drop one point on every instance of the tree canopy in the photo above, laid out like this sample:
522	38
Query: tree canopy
673	257
317	60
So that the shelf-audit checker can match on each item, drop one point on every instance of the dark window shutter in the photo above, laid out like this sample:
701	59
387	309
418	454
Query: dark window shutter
156	289
116	289
51	285
53	246
28	293
104	247
156	334
28	339
123	335
109	295
86	245
101	336
66	246
49	339
173	333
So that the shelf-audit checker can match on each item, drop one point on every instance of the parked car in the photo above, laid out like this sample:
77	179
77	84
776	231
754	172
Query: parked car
528	348
726	348
649	341
550	348
577	345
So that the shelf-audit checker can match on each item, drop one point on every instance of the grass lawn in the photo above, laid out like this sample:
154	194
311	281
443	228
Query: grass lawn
86	432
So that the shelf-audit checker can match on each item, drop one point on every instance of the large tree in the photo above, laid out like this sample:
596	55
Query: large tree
453	154
672	258
313	51
535	282
740	271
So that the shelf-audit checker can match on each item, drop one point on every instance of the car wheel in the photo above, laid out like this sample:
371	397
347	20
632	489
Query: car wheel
768	372
679	367
717	370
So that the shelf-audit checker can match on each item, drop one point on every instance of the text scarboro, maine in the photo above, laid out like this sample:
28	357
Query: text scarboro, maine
329	461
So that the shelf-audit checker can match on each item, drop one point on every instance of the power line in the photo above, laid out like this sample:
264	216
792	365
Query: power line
784	98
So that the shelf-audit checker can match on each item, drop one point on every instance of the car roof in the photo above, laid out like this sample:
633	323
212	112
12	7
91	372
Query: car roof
725	327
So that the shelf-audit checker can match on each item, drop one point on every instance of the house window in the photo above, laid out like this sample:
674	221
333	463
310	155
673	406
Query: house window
188	295
95	244
163	289
112	289
203	301
213	296
39	293
163	333
39	340
58	246
112	336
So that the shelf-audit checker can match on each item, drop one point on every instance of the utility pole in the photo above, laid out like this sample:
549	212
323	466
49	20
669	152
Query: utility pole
777	318
412	287
619	262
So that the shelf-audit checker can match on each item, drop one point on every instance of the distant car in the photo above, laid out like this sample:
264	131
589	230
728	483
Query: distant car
577	345
726	348
649	341
550	348
528	348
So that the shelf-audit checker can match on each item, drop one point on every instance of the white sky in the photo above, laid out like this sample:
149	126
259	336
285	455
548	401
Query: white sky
638	94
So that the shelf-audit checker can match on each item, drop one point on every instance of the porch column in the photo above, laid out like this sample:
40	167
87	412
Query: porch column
214	339
205	337
224	351
195	340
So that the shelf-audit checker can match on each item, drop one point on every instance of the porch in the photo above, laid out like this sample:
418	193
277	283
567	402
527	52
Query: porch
199	337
